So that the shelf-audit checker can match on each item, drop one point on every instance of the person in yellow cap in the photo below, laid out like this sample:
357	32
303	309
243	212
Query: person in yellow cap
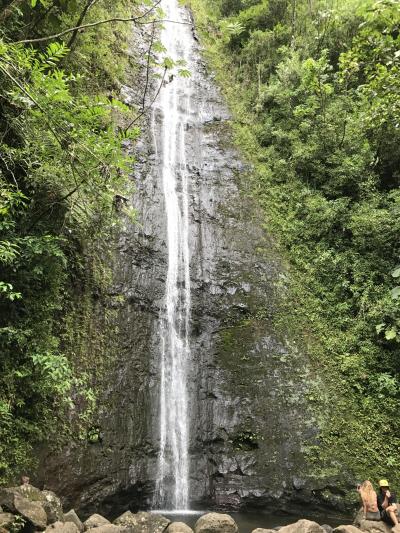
387	503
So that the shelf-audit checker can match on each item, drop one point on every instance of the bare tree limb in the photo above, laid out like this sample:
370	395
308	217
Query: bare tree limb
148	66
92	24
149	106
74	35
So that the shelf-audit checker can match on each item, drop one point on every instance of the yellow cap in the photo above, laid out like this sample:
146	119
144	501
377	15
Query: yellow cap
383	483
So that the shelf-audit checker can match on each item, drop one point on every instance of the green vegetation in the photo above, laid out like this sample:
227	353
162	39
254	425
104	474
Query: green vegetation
314	88
61	165
315	92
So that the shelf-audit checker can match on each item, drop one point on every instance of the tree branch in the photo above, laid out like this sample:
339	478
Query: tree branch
149	106
148	67
80	20
91	25
135	20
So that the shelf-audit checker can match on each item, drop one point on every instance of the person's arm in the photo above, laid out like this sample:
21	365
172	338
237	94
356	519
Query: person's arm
385	501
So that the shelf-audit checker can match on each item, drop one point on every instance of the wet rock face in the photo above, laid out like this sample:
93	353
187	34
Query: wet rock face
248	411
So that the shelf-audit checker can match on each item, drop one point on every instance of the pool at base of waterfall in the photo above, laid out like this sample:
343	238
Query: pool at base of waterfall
248	521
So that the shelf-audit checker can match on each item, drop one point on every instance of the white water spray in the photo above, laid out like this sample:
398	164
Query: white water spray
173	105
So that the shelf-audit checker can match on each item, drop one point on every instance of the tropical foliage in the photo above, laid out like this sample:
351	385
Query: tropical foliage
61	165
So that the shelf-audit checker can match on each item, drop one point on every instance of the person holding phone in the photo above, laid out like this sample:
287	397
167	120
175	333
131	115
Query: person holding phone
369	501
387	503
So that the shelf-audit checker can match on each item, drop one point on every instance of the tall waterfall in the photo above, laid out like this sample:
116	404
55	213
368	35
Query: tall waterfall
174	323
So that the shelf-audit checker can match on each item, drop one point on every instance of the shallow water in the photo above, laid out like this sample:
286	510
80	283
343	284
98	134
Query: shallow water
252	520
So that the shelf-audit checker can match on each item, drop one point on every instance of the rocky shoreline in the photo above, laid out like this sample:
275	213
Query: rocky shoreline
27	509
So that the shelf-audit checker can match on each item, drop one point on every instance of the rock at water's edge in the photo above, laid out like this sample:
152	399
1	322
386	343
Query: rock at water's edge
261	530
59	527
31	510
95	520
71	516
215	523
108	528
372	526
52	506
179	527
126	519
143	522
39	508
347	529
302	526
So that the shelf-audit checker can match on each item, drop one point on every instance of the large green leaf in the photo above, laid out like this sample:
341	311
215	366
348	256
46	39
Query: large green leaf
390	333
395	292
396	272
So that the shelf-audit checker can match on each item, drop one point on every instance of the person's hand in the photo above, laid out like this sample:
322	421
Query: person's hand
387	494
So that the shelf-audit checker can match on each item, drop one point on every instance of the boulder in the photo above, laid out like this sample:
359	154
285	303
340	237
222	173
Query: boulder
6	519
347	529
142	522
30	492
261	530
126	519
71	516
28	501
373	526
327	528
52	506
32	511
7	498
60	527
108	528
302	526
95	520
215	523
179	527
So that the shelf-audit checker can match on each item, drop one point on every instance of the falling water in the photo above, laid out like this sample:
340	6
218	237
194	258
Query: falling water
173	107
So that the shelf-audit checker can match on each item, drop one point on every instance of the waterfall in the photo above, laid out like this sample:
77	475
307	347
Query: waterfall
172	106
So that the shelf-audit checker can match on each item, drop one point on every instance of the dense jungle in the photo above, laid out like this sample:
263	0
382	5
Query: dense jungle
313	92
